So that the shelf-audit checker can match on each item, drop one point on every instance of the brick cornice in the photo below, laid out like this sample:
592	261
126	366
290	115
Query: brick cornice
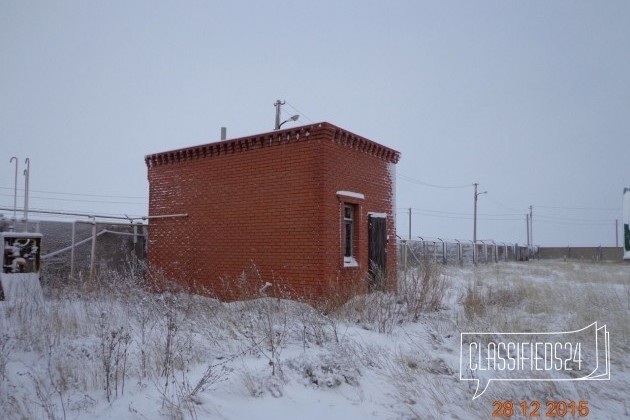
263	140
364	145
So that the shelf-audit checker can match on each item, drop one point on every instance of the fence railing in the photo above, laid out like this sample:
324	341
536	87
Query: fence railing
413	252
78	248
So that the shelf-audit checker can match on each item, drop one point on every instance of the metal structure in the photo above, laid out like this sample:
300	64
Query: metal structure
19	277
454	251
278	104
626	224
15	187
20	270
477	194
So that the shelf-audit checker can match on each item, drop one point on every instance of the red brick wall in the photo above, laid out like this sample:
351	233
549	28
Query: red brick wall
265	208
349	168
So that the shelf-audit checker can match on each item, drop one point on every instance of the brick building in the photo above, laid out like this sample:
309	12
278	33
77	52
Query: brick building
300	208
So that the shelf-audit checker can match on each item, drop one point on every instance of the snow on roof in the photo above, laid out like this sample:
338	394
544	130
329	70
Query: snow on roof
351	194
20	235
257	141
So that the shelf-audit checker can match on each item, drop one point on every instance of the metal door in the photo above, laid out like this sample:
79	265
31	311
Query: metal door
377	251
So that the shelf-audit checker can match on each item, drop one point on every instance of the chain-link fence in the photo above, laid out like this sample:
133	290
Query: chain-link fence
412	252
81	249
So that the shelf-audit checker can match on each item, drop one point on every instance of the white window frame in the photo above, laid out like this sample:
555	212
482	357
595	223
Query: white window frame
349	260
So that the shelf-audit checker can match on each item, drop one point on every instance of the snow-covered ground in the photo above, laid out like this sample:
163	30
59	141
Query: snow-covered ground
100	352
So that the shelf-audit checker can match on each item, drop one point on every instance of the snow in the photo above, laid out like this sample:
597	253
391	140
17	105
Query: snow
22	286
391	170
373	358
626	221
350	262
351	194
20	235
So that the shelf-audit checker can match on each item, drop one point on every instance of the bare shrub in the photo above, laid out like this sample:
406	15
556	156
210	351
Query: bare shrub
313	326
473	302
375	311
6	347
251	384
114	352
339	291
424	290
478	298
58	378
48	386
327	370
44	395
184	395
247	285
422	383
264	322
145	316
257	383
275	325
166	353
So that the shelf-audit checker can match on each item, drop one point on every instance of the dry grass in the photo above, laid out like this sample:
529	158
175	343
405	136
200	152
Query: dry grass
512	298
171	332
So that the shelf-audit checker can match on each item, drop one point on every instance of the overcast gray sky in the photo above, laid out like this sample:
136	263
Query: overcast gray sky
528	98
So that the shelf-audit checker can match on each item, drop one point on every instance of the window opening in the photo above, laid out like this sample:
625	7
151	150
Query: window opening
348	243
348	218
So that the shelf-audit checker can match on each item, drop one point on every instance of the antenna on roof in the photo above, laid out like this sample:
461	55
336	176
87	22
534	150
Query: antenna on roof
278	104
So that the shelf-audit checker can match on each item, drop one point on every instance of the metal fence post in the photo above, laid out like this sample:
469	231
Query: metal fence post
443	251
93	253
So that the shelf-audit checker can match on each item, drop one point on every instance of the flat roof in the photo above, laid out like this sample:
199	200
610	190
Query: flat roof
270	138
21	235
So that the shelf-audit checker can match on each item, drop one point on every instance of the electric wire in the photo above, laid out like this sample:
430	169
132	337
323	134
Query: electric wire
75	194
35	197
426	184
577	208
299	112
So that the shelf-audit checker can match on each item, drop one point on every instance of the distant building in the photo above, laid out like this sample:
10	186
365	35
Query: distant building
307	209
626	224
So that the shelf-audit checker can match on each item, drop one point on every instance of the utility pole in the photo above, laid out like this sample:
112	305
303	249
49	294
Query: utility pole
27	174
475	212
475	217
527	228
15	189
406	244
278	104
278	124
531	225
617	233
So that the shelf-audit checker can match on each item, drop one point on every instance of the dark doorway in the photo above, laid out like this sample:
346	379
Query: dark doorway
377	251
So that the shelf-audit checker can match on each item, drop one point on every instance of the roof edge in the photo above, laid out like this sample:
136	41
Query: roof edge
257	141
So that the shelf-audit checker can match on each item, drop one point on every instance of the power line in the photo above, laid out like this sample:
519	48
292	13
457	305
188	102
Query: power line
418	210
562	218
489	197
426	184
68	213
298	111
81	201
76	194
578	208
502	217
568	222
461	216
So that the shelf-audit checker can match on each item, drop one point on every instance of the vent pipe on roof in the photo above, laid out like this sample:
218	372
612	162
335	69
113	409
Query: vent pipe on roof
223	133
27	173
